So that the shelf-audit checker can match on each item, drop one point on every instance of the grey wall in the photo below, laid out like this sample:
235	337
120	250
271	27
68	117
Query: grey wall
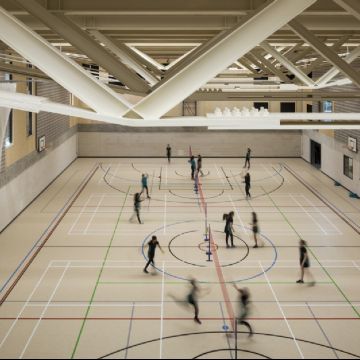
110	140
332	157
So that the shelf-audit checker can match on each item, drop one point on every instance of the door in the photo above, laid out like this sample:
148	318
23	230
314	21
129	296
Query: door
315	154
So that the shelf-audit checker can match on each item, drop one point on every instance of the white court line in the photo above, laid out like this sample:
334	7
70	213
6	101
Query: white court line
93	215
25	305
309	215
321	305
356	265
245	230
165	212
162	310
323	215
44	311
282	311
219	175
270	174
100	305
80	213
166	174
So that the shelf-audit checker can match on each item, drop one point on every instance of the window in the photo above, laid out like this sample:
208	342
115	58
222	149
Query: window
29	116
327	106
287	107
7	76
348	167
259	105
9	131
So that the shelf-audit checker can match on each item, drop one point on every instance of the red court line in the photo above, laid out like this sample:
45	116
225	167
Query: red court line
220	274
169	319
51	231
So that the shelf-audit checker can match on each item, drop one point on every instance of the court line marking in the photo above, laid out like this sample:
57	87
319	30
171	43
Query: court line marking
79	215
225	324
98	279
322	330
162	310
44	312
282	312
93	215
130	329
53	222
323	215
309	215
25	305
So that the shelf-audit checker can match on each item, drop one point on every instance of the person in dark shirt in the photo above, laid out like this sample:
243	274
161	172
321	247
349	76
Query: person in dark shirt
247	180
255	229
229	229
247	158
199	165
168	153
305	263
137	207
244	304
144	185
193	167
152	245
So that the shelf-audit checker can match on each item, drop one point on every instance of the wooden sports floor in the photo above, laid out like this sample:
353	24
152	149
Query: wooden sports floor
72	281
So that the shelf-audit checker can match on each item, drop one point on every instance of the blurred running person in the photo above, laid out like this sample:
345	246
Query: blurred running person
305	263
244	304
247	159
229	228
152	245
199	166
137	207
168	153
193	167
192	298
144	184
247	180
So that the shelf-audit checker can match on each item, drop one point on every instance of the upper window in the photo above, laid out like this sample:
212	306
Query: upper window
287	107
348	167
327	106
9	136
259	105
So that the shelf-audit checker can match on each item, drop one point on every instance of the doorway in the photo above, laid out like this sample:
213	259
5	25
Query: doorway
316	154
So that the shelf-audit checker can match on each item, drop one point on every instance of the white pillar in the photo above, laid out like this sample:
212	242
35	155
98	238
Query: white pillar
254	29
124	57
288	64
82	41
335	71
59	67
326	52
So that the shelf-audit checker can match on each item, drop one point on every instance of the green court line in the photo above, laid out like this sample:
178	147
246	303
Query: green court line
182	284
316	258
98	279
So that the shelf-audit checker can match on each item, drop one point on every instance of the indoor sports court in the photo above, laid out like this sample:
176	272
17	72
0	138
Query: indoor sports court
179	180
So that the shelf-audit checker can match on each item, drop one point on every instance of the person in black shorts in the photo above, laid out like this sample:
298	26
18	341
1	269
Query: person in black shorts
168	153
137	207
229	228
193	167
247	180
255	229
199	166
193	299
305	263
247	158
152	244
144	185
244	304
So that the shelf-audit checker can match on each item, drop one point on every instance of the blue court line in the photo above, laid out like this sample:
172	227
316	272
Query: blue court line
42	235
209	282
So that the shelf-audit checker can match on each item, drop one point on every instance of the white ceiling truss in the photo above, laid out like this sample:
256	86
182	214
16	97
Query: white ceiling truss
276	39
